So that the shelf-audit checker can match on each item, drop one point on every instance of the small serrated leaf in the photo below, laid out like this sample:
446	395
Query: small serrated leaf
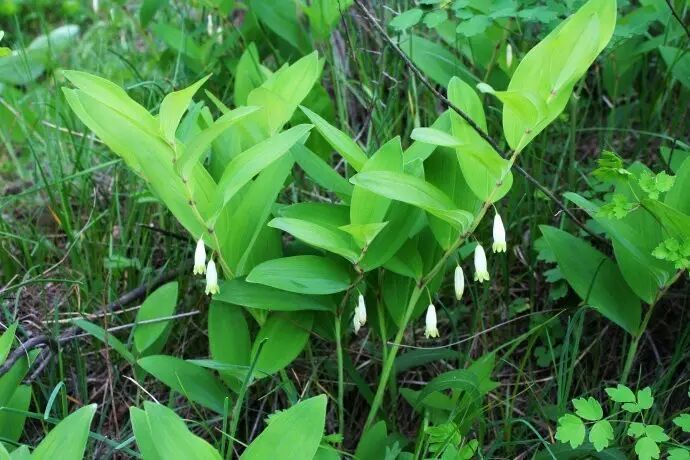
678	454
601	434
656	433
645	398
621	394
647	449
588	409
636	429
571	430
683	421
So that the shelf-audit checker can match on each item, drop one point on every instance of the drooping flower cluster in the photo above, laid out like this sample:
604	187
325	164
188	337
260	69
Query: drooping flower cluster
431	330
201	268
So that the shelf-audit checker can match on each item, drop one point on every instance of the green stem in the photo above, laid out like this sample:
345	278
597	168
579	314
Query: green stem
341	376
417	292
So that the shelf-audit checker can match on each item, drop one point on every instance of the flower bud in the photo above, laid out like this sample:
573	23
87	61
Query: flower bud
209	25
360	313
481	273
430	330
211	279
459	282
509	55
200	258
499	235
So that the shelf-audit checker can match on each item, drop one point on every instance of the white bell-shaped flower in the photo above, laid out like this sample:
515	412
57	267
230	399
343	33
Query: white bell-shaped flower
209	25
211	278
499	235
459	282
360	313
430	329
509	55
481	273
200	258
355	323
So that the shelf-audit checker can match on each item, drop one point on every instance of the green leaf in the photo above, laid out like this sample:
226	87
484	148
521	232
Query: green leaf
198	145
107	338
655	184
647	449
678	454
6	340
636	429
320	236
473	26
645	398
249	75
683	421
571	430
363	234
239	292
372	444
588	409
174	105
601	434
656	433
67	441
12	420
162	435
302	274
406	19
286	334
460	379
252	161
620	394
549	71
159	304
192	381
319	171
434	59
435	137
295	433
595	278
340	141
415	191
228	338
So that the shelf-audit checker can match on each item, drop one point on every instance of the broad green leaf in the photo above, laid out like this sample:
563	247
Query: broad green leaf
249	74
192	381
633	247
228	338
159	304
676	223
341	142
21	453
481	166
433	58
12	421
367	207
406	19
113	96
282	19
647	449
252	161
372	444
460	379
248	237
332	240
107	338
67	440
415	191
240	292
571	430
683	421
549	71
286	334
319	171
435	137
295	433
676	198
174	105
601	435
161	434
302	274
6	340
678	454
588	409
678	61
198	145
595	278
363	234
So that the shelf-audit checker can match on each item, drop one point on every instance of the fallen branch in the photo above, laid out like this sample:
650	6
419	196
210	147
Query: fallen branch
71	333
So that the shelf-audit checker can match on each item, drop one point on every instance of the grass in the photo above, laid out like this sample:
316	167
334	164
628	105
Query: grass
77	229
